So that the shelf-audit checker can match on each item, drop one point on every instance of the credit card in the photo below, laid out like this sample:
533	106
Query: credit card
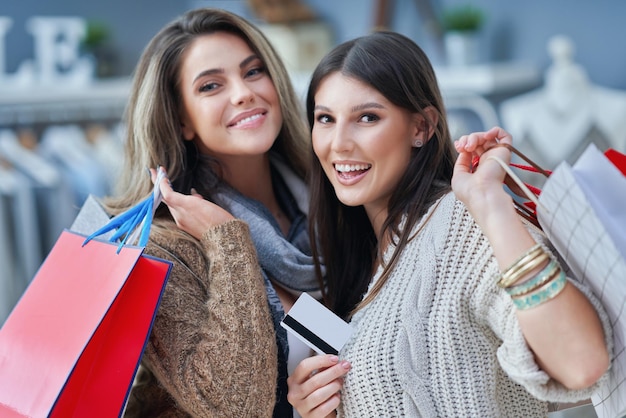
316	325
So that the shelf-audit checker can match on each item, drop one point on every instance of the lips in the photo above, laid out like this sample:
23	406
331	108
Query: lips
350	173
247	117
351	170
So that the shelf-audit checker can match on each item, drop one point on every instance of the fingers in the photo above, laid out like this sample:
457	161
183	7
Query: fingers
168	194
325	408
315	384
165	186
472	147
192	213
195	193
473	169
463	163
479	142
311	365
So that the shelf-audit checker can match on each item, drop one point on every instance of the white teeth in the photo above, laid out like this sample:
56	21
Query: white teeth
344	168
248	119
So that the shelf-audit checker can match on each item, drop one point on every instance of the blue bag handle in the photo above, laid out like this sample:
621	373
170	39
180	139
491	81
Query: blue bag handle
134	221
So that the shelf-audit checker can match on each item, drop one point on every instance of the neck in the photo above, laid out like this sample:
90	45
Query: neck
251	176
377	217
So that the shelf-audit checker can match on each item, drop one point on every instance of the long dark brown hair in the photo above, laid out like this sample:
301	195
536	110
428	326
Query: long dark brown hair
346	242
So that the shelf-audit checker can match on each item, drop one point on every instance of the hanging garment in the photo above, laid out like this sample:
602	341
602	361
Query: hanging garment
67	148
52	202
7	273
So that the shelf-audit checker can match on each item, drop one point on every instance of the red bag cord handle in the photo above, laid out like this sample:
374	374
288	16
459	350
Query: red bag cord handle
527	210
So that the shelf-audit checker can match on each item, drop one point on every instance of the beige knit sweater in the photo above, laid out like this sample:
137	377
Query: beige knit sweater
212	350
442	339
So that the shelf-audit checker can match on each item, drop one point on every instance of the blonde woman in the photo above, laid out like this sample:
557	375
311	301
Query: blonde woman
212	104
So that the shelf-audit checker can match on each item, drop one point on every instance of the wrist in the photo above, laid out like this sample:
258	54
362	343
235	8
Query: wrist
504	228
492	209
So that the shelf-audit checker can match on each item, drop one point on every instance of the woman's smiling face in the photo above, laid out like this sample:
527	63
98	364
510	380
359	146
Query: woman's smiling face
363	142
230	104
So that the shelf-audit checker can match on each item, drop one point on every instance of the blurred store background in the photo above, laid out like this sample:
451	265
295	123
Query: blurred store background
554	73
551	72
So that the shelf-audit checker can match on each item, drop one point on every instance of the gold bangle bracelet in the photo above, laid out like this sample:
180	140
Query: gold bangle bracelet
532	252
529	253
509	279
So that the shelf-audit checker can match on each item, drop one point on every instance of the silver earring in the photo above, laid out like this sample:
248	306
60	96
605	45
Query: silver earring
417	143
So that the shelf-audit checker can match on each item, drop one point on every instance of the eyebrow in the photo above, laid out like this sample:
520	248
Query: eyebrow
364	106
221	70
368	105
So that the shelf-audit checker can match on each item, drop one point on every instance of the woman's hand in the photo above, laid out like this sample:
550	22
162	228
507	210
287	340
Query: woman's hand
315	384
481	187
192	213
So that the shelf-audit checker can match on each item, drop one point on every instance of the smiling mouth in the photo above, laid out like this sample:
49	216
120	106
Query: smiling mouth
247	120
351	170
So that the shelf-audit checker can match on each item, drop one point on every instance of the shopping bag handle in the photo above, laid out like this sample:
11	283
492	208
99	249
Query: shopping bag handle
517	186
133	225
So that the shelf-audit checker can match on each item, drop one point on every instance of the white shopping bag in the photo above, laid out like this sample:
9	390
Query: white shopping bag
582	210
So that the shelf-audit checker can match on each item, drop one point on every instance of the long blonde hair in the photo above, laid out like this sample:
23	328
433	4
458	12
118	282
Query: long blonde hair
152	118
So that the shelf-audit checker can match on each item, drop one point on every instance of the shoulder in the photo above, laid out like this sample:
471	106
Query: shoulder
448	218
169	242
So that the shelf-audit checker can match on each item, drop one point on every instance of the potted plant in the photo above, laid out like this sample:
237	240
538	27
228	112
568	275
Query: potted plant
461	24
96	43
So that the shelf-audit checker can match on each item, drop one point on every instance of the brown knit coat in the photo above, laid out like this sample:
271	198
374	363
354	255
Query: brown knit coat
212	350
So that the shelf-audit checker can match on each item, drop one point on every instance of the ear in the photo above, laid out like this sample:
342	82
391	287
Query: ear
424	129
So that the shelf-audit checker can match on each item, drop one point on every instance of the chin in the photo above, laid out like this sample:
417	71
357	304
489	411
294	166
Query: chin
350	201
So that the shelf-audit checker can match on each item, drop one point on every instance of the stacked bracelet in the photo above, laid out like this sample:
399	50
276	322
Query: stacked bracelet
540	288
543	294
548	273
527	262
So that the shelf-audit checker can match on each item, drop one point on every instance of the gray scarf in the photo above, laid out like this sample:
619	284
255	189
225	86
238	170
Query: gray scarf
286	260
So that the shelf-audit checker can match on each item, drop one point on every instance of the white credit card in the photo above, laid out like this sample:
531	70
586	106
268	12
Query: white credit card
316	325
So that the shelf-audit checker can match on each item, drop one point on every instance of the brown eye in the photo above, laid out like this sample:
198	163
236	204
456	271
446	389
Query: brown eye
369	117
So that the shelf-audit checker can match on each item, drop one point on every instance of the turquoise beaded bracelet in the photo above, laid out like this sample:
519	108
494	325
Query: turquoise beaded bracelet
541	295
539	280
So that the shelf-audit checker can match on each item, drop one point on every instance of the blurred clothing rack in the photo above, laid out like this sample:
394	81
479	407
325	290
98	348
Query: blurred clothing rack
58	144
101	100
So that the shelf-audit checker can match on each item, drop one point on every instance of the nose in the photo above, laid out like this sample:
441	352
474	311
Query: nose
241	92
342	138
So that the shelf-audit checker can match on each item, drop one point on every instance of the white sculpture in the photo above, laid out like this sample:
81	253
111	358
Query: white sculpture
559	120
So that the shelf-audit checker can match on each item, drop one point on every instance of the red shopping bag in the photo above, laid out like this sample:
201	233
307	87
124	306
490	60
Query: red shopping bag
72	345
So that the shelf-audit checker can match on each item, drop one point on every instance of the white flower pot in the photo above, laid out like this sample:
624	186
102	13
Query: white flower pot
461	48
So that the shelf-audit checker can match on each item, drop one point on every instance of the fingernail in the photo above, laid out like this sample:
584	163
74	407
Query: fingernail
346	365
333	359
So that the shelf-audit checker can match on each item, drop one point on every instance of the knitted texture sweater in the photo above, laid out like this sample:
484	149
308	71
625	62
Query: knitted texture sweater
212	350
441	339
